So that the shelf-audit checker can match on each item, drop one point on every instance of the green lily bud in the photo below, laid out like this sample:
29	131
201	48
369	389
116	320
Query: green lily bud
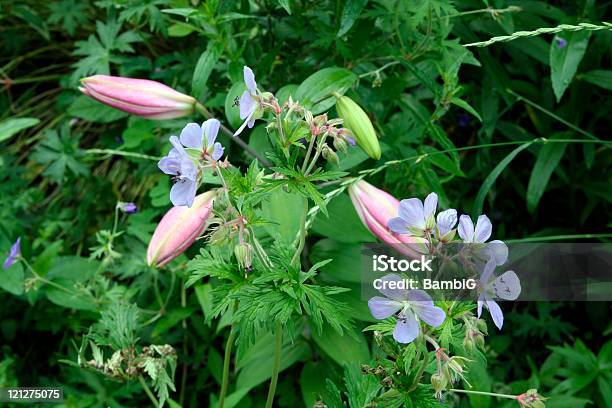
244	254
359	123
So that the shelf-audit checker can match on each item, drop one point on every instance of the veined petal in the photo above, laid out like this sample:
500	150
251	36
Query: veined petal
446	221
406	329
411	210
170	165
191	136
249	80
211	129
398	225
430	205
381	307
177	145
395	294
497	250
432	315
466	228
183	192
241	128
248	105
496	313
483	229
217	151
480	303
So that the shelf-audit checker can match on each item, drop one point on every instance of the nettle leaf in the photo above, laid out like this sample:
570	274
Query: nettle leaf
566	52
70	13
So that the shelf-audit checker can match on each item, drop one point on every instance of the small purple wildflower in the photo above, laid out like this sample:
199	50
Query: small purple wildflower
249	102
446	221
415	217
507	286
561	42
13	255
409	306
478	236
128	208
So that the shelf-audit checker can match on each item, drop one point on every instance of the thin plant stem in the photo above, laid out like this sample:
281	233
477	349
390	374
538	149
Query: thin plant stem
113	152
276	367
558	238
302	236
308	153
147	391
489	394
226	366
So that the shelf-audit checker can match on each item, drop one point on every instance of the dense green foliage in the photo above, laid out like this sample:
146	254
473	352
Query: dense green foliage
469	123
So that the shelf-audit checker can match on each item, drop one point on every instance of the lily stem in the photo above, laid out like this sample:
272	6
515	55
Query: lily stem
276	366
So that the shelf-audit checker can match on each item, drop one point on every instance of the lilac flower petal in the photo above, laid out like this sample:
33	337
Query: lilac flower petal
13	254
188	169
432	315
480	303
446	221
406	330
241	128
411	210
217	151
496	313
487	272
177	146
211	129
381	307
191	136
248	105
350	140
466	228
483	229
398	225
507	286
183	192
249	80
498	251
170	165
396	294
431	203
251	123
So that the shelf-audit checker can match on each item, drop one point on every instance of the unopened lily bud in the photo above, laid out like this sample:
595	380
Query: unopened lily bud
179	228
359	123
244	254
329	155
141	97
375	208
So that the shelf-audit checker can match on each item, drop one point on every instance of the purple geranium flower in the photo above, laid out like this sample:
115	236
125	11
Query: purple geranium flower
203	138
13	255
181	166
415	217
409	306
507	286
495	249
249	101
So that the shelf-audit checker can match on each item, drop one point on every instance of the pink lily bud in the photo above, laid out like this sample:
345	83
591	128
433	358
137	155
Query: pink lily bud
141	97
178	229
375	208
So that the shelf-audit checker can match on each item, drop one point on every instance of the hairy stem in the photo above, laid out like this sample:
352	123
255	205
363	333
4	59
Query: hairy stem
147	390
276	367
226	366
302	236
490	394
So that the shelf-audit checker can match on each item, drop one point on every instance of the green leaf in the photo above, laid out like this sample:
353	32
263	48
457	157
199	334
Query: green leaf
93	111
284	211
315	93
12	126
180	30
599	77
351	11
204	67
285	4
466	106
232	110
342	218
564	61
312	383
490	180
346	348
346	264
547	161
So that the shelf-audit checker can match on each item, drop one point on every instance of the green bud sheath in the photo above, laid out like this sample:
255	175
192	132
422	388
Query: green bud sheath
359	123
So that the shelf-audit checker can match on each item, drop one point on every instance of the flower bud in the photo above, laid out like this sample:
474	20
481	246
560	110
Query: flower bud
244	254
340	144
329	155
531	399
439	383
375	208
141	97
359	123
178	229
